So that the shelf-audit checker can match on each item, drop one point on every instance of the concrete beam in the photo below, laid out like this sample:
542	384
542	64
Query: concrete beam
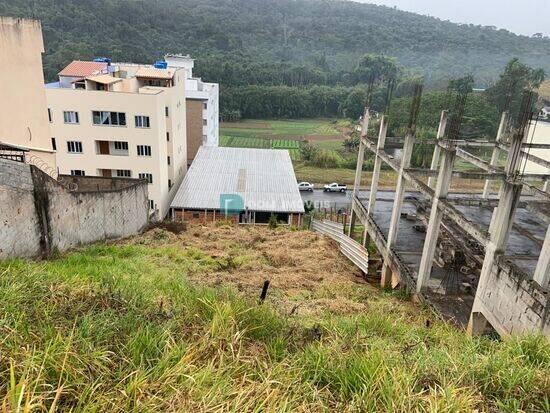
525	155
466	175
477	161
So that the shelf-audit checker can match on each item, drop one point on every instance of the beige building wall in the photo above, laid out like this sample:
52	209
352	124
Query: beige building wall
150	101
23	113
194	128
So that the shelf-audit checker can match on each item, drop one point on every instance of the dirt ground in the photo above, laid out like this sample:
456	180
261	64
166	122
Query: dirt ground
306	271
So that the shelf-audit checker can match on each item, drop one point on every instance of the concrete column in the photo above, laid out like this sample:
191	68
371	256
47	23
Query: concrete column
542	271
400	189
546	187
398	202
377	164
432	233
503	218
386	276
437	149
360	155
477	324
496	153
359	168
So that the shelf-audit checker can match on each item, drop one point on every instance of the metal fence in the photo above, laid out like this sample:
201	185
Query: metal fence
354	251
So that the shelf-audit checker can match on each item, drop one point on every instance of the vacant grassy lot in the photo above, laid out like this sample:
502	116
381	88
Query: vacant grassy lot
168	323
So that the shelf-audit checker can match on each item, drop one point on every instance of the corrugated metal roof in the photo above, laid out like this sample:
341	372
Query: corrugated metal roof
264	178
78	68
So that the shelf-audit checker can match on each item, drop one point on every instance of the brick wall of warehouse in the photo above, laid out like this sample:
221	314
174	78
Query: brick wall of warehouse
39	215
194	127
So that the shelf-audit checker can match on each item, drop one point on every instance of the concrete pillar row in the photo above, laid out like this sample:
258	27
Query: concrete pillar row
436	215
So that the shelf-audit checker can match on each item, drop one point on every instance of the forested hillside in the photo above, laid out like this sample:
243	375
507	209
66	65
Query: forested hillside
323	37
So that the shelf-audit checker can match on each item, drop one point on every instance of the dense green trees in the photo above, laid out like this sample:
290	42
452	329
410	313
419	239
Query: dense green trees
315	39
298	58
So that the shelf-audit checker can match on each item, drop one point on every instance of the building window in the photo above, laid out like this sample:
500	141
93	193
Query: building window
166	111
54	145
144	150
205	122
148	177
78	172
205	105
169	184
123	173
204	138
167	136
74	146
121	146
50	118
168	159
70	117
109	118
142	121
151	204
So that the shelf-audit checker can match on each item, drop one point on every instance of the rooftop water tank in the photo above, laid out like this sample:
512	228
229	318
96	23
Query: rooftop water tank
103	60
161	64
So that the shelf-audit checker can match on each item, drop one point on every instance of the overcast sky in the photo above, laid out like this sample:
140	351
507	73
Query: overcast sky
519	16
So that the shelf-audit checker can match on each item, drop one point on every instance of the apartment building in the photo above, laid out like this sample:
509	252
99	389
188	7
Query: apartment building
202	107
121	120
23	116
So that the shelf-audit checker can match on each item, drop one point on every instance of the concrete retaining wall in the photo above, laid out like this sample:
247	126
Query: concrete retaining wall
513	303
38	216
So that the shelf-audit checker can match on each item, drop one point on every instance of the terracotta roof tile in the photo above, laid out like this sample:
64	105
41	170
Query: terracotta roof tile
78	68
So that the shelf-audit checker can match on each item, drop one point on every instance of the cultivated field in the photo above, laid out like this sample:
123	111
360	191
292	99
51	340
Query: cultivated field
284	134
171	323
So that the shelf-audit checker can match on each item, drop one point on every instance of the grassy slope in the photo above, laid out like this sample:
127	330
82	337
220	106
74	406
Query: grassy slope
133	327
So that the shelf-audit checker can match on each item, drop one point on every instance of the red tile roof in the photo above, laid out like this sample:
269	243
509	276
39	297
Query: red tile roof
79	68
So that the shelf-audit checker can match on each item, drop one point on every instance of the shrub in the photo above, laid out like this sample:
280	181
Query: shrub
273	221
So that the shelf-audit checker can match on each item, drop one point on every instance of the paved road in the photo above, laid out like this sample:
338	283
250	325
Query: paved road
321	199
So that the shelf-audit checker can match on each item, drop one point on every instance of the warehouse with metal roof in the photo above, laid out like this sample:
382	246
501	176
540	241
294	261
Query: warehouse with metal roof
241	184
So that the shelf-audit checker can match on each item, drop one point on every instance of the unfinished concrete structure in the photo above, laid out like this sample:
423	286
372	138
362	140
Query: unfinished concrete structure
491	253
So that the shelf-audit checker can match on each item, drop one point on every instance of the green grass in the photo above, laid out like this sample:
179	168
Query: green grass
297	128
120	329
242	142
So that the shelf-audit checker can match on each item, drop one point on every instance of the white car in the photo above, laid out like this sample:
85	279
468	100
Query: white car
305	186
334	187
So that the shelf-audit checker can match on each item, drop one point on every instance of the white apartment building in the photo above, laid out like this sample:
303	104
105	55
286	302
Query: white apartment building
203	111
121	120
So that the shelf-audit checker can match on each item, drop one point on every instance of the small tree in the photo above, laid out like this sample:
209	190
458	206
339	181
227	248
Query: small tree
273	221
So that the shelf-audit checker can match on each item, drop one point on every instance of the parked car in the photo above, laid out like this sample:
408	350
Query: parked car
334	187
305	186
